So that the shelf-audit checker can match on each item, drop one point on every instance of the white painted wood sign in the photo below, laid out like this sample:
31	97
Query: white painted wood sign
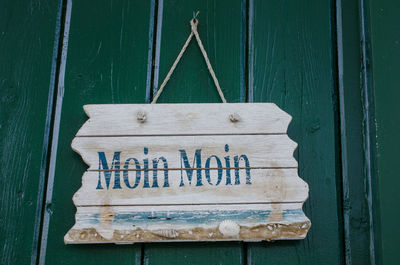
187	172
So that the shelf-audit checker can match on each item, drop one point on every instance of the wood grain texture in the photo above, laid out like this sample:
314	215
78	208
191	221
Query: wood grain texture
220	25
220	30
292	66
267	186
28	35
106	63
384	88
184	119
262	151
130	224
249	201
356	213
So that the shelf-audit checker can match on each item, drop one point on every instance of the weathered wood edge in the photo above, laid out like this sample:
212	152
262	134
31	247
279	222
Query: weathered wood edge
357	133
281	230
108	224
203	114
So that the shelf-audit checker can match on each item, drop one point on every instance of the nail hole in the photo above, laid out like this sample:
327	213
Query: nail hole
141	116
234	117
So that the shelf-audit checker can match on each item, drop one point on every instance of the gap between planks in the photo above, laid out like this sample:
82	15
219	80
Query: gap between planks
168	169
159	135
191	204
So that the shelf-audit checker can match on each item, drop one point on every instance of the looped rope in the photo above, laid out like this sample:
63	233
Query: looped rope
193	24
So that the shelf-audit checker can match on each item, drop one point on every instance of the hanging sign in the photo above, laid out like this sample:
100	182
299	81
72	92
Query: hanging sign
187	172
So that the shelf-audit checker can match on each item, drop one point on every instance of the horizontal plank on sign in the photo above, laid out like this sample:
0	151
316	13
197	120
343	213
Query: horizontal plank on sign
184	119
262	151
188	223
267	186
156	217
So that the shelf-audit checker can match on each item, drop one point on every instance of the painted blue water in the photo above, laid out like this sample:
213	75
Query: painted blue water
188	217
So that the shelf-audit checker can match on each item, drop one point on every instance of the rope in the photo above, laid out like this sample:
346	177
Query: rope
194	32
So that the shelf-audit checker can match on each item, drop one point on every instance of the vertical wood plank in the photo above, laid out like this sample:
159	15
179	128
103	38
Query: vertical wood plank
193	253
385	79
29	33
106	63
221	29
292	51
356	213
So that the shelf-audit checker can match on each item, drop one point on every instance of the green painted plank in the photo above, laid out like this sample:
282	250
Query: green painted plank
356	206
385	42
28	43
194	253
107	59
220	28
291	64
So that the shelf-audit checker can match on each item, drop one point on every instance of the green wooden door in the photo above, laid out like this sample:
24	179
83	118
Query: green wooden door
29	34
303	56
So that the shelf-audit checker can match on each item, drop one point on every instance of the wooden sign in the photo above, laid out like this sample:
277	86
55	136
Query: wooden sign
187	172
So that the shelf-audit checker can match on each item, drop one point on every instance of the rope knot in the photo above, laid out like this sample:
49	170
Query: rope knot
194	23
